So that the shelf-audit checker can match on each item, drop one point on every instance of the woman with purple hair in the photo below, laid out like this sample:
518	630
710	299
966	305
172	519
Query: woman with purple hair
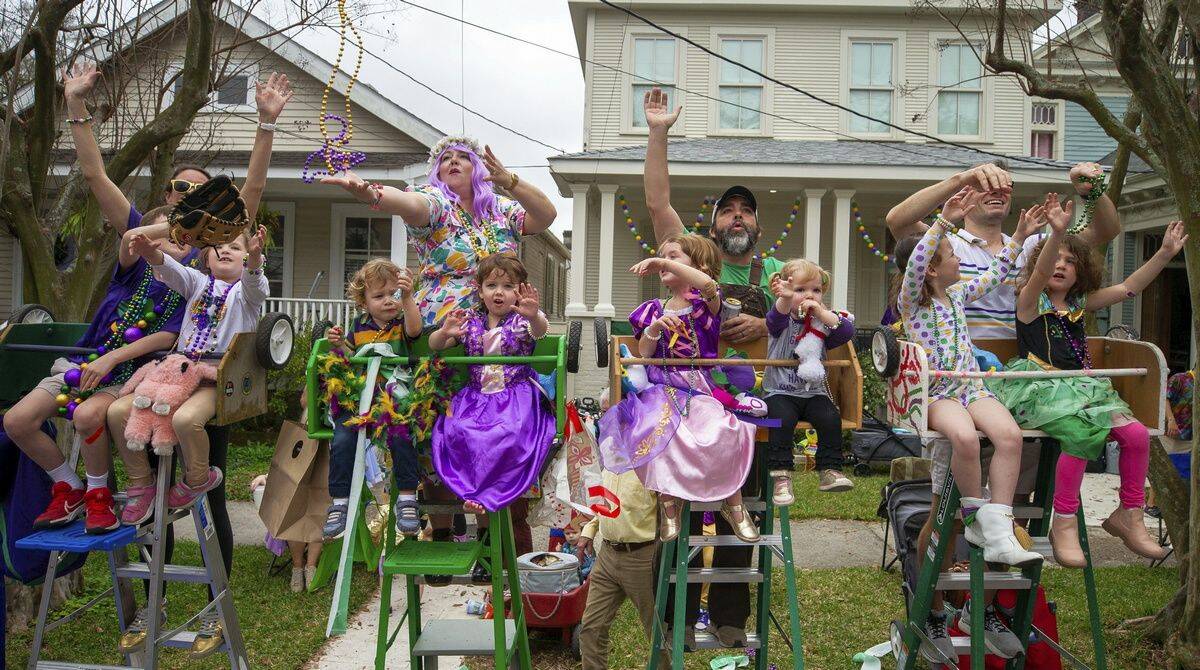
457	219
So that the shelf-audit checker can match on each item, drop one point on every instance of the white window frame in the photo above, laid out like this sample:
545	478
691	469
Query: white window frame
249	71
288	210
766	126
338	213
1056	127
897	38
627	80
986	92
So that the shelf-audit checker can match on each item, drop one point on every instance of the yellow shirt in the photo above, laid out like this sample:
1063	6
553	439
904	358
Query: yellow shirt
637	521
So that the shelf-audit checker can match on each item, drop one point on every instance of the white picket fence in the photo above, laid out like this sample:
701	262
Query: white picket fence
308	311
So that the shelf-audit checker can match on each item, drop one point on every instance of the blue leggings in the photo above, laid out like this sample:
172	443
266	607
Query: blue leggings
341	461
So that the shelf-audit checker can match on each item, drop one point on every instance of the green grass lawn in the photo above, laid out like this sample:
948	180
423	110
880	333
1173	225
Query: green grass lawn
845	611
249	456
858	504
281	629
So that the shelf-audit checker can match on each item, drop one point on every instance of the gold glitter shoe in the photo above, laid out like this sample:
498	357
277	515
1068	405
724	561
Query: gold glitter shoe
744	529
668	527
209	638
135	635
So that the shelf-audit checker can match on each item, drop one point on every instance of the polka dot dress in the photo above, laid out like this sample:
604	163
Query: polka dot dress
941	328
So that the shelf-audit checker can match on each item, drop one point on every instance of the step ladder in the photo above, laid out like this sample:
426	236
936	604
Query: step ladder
153	568
673	569
505	640
908	637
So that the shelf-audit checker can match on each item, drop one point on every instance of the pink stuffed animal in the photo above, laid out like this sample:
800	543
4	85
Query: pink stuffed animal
159	388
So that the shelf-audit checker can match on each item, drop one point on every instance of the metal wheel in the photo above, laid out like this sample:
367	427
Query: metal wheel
862	469
274	340
897	639
885	352
319	328
602	342
1123	332
32	313
576	653
574	340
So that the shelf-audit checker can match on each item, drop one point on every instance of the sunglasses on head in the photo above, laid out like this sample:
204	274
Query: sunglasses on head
181	185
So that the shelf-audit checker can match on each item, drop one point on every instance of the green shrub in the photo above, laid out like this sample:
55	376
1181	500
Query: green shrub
874	388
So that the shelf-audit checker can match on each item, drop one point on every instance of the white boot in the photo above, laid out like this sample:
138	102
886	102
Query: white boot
995	524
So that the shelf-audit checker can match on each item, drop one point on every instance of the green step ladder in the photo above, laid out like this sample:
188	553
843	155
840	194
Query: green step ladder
506	640
908	637
673	568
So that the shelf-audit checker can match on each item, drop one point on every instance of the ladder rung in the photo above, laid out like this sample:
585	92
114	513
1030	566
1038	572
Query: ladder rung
1021	512
723	575
1042	546
750	504
732	541
171	573
706	640
961	581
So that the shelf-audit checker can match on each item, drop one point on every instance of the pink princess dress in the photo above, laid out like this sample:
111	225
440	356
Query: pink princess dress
681	440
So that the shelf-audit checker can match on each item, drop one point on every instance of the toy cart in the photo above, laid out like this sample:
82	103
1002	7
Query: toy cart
1138	372
30	341
562	612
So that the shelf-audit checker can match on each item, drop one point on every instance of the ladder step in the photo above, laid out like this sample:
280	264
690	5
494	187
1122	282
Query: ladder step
732	541
462	637
706	640
1021	512
961	581
171	573
723	575
1042	546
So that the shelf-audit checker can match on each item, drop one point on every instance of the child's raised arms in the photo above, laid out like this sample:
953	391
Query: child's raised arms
784	294
697	279
1173	241
451	331
413	324
1059	217
146	248
529	306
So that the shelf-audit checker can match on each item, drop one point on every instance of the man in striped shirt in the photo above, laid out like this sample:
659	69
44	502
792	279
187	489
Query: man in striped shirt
992	316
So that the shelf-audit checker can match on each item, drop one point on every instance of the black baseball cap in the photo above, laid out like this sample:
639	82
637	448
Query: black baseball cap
735	192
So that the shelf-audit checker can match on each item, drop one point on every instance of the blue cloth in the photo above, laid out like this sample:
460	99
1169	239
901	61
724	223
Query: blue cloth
986	359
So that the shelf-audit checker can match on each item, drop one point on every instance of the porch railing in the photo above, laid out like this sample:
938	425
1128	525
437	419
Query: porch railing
308	311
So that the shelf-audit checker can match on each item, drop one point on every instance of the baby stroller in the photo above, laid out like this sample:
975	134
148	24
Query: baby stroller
904	508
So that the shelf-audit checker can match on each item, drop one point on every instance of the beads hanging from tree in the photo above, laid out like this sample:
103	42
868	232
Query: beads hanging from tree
866	237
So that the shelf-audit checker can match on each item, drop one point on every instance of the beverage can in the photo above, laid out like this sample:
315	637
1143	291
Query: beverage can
475	607
730	308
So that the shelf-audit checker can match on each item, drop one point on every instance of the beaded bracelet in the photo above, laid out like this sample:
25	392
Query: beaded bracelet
950	227
646	333
378	201
86	119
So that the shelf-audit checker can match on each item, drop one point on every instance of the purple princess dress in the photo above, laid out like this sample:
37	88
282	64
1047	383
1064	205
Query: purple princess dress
679	439
490	446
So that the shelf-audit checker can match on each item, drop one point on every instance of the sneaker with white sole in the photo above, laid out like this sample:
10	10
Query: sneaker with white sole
940	647
135	635
335	521
833	481
997	637
781	488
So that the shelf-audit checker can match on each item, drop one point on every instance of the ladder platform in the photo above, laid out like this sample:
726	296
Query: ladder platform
722	575
733	541
706	640
412	557
462	637
170	573
72	538
961	581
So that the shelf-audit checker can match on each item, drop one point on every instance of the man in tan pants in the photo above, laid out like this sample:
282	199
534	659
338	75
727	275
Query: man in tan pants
624	567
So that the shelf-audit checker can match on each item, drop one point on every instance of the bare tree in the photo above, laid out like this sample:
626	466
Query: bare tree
1147	46
149	99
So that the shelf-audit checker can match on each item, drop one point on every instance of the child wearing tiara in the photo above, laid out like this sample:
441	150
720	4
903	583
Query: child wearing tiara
384	292
489	448
683	441
931	299
799	324
220	304
1061	283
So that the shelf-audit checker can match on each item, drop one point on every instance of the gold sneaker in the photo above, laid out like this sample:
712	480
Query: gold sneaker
745	529
209	638
135	635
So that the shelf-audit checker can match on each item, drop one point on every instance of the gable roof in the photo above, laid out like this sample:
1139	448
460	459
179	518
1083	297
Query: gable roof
806	152
237	18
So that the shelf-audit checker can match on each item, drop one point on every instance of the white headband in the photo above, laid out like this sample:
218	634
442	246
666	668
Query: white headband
449	141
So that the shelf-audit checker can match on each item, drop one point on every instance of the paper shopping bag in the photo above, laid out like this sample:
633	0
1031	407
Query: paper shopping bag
296	498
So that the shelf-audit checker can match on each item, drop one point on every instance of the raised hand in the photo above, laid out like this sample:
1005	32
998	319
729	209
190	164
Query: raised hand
986	177
648	266
782	288
1081	171
528	301
80	80
1173	239
1030	221
361	190
497	173
143	246
452	326
257	242
272	96
1059	216
405	281
334	335
959	204
658	113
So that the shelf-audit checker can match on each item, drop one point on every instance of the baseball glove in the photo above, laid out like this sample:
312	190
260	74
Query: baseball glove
211	214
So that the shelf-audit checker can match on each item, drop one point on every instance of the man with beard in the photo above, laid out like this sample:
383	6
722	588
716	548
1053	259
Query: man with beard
992	316
736	231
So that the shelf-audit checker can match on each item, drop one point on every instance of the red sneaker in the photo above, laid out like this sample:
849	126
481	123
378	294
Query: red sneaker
101	514
66	504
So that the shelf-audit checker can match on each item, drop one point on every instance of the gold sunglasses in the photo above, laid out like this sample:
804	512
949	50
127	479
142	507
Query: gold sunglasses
181	185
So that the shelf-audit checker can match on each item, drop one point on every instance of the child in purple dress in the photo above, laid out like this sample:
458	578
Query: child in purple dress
682	441
489	448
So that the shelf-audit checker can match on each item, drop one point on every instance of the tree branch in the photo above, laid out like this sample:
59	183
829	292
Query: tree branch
1120	167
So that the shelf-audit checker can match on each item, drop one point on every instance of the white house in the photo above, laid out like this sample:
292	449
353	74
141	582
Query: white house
325	235
800	156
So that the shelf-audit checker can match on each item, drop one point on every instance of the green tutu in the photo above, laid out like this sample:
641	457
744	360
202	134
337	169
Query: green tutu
1077	411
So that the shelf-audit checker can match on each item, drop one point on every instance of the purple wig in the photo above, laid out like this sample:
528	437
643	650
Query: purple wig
485	206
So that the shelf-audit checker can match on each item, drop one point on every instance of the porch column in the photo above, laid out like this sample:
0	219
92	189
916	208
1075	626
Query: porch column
399	241
608	201
841	248
578	275
812	223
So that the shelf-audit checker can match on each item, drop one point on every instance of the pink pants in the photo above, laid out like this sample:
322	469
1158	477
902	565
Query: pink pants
1133	464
